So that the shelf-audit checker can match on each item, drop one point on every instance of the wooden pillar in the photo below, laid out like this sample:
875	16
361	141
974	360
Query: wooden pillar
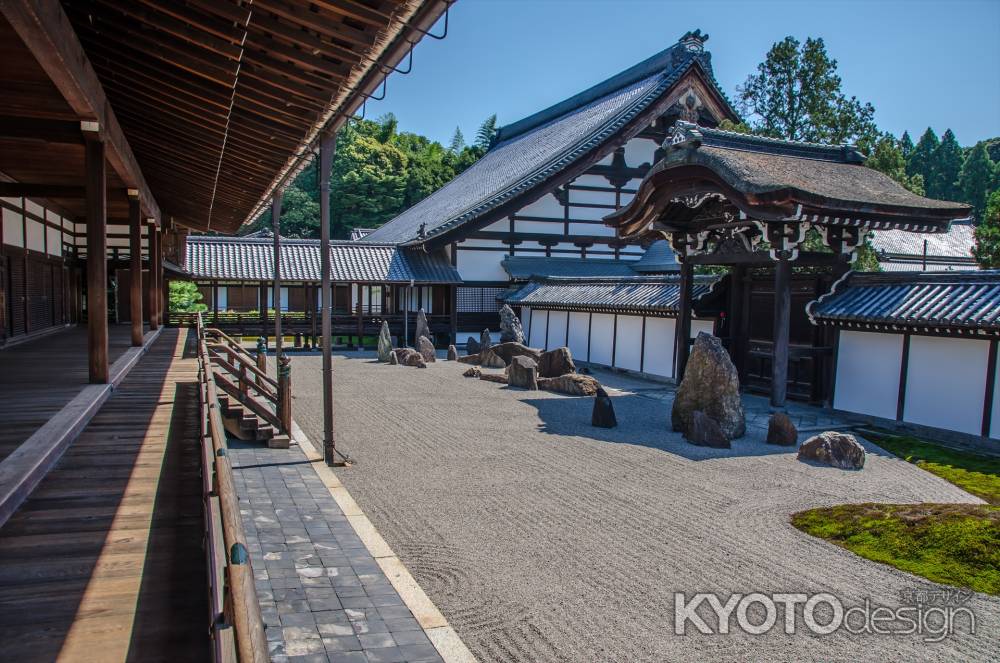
736	313
782	321
263	308
135	265
97	260
327	146
682	337
454	314
151	291
215	303
276	226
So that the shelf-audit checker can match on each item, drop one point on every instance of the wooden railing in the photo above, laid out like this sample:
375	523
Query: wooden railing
244	378
236	624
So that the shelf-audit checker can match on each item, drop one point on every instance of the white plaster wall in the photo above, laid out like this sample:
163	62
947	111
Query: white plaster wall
536	337
592	180
13	230
551	227
639	151
487	243
556	335
601	335
503	225
547	205
599	230
481	265
597	197
34	208
628	348
579	326
36	235
867	379
946	382
53	241
223	299
995	417
16	202
526	323
659	357
588	213
698	326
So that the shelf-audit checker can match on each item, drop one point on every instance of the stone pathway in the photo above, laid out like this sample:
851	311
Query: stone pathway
323	596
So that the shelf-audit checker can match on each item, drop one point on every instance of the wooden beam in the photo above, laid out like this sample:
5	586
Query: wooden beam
151	296
682	337
782	326
50	131
904	368
135	267
991	378
18	189
46	30
97	263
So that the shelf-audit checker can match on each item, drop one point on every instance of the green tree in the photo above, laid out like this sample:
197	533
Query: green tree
906	145
987	249
796	94
921	159
457	142
299	213
977	177
887	157
947	161
185	298
486	133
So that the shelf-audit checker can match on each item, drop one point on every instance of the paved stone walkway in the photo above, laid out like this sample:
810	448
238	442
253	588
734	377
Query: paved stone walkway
323	596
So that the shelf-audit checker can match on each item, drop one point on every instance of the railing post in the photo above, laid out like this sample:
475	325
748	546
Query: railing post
285	393
361	325
261	357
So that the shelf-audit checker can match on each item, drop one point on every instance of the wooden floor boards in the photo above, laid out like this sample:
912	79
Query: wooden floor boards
104	561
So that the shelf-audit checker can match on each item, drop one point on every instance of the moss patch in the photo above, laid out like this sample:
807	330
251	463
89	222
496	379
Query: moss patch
956	544
973	473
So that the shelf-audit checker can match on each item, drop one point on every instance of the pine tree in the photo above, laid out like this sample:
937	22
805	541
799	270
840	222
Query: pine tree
486	133
976	178
987	249
921	161
887	157
457	142
947	162
906	145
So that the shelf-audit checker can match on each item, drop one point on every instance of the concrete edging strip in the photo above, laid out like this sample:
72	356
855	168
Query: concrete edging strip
441	634
26	466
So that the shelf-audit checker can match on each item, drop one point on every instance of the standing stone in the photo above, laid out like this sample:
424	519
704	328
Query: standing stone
781	430
523	372
705	431
392	359
384	342
485	342
604	411
510	327
452	353
711	385
471	346
426	349
556	362
834	449
490	359
422	328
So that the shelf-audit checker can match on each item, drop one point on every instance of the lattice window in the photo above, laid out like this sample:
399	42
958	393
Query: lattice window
479	300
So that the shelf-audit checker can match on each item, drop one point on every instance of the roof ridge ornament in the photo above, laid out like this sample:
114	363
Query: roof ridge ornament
683	135
693	42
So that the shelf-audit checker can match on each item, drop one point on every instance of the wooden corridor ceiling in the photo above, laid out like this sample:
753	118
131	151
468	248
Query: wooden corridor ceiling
219	98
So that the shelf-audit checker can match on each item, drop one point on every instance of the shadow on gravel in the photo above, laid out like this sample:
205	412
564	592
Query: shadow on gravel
641	422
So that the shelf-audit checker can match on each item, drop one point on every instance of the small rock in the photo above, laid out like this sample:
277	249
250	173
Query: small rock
415	359
604	411
452	353
523	372
556	362
585	370
835	449
705	431
510	326
485	341
422	328
781	430
572	384
393	361
471	346
490	359
384	342
426	349
494	377
472	372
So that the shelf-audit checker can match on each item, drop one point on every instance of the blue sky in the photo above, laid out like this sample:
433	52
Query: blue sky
920	63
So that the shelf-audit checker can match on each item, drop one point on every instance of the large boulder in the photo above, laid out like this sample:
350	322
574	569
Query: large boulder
426	349
471	346
402	353
422	328
507	351
510	327
384	342
556	362
712	386
393	360
604	412
571	384
472	372
485	341
490	359
781	430
415	359
469	359
706	432
834	449
452	353
523	372
494	377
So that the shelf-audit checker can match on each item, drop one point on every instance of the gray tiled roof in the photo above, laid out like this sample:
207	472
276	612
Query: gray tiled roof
242	259
658	258
635	294
956	243
534	149
967	301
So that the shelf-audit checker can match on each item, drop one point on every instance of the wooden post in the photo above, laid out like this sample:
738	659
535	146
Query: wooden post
361	323
683	332
454	314
261	357
135	265
327	145
782	321
97	260
276	226
285	393
215	303
737	278
263	309
151	288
